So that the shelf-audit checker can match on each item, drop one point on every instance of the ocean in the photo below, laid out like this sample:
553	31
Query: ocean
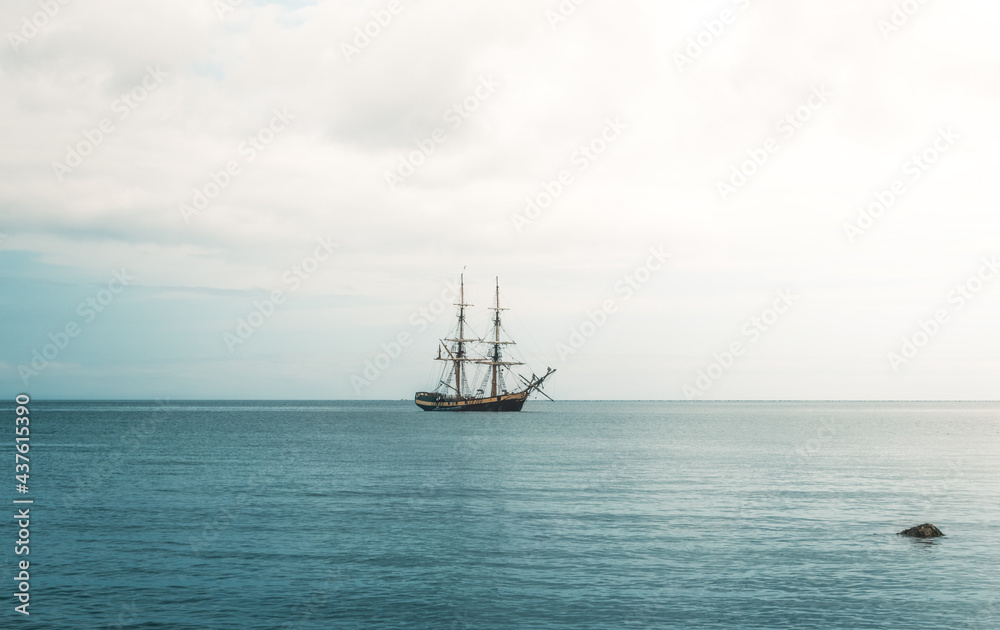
375	514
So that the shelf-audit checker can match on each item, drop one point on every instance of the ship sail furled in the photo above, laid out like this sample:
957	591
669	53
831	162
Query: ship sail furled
495	375
507	389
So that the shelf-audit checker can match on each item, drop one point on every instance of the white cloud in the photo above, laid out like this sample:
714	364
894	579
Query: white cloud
656	185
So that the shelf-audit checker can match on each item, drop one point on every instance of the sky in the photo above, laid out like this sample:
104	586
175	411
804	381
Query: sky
224	199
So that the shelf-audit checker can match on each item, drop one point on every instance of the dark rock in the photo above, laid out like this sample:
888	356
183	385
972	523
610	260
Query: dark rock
922	531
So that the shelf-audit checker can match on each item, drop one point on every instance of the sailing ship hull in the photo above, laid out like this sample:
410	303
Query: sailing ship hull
430	401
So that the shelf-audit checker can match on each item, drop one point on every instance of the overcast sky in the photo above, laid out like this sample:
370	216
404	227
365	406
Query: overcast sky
669	192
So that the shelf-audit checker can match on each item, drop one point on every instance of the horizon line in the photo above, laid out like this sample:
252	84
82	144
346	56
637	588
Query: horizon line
670	400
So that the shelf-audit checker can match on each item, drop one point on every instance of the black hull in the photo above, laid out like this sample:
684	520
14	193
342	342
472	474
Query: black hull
429	401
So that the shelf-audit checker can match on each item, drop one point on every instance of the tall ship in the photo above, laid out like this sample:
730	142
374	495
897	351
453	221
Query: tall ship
499	387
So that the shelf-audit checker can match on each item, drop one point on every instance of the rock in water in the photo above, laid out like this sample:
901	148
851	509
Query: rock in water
922	531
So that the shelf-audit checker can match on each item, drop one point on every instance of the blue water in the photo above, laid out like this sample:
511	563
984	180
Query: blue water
567	515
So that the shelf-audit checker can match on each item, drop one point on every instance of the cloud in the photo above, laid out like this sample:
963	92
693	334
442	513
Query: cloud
355	120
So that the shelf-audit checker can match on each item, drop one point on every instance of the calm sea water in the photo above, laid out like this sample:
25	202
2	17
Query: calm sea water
567	515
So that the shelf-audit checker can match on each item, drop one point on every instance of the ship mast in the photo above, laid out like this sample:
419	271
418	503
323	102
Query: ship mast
496	339
461	338
459	355
494	357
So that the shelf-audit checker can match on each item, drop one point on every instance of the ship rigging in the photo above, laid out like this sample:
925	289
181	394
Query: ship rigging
508	390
